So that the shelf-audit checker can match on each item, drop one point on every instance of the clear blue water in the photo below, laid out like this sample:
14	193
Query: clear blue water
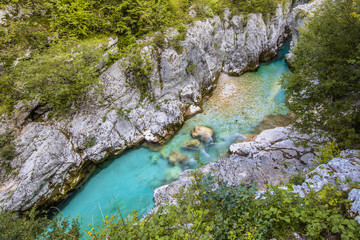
236	107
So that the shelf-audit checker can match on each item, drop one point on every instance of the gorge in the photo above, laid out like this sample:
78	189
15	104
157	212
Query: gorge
132	146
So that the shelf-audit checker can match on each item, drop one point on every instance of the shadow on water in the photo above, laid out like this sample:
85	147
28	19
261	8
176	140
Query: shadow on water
237	107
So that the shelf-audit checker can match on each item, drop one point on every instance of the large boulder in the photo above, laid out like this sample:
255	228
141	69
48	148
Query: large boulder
205	134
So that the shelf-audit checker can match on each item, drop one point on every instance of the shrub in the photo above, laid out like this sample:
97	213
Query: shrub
138	73
7	146
236	213
324	87
327	152
57	78
32	226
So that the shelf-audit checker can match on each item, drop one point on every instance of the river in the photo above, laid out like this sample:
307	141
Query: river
235	109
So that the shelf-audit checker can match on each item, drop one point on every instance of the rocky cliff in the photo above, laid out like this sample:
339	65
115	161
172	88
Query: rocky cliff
53	156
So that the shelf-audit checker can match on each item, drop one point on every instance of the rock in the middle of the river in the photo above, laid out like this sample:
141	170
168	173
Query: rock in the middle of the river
177	157
205	134
192	145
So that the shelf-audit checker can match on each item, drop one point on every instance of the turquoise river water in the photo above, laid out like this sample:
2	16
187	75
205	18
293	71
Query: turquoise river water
237	106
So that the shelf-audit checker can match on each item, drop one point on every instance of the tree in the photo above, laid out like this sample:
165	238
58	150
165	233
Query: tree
324	90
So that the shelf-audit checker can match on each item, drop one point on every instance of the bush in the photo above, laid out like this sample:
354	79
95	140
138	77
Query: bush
138	73
327	152
32	226
236	213
58	78
7	146
324	89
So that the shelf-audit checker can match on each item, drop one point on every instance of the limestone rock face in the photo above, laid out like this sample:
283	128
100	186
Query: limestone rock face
55	155
340	172
177	157
205	134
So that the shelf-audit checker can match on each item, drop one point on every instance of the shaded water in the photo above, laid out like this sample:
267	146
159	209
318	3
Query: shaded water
237	106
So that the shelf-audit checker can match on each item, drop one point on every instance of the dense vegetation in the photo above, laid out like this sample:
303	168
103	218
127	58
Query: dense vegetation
31	226
324	89
201	213
40	35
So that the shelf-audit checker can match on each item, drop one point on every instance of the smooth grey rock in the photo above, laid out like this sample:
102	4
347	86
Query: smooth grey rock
43	164
354	195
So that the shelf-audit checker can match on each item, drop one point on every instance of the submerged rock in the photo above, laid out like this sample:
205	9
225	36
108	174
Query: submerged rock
172	174
154	159
177	157
205	134
192	145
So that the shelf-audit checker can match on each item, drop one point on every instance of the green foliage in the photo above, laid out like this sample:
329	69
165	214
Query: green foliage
236	213
175	42
30	226
327	152
89	141
57	78
19	35
317	215
324	88
297	179
198	160
138	72
7	146
191	68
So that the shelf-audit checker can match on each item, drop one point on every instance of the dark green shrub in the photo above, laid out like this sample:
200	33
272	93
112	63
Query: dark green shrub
236	213
324	87
297	179
31	226
7	146
138	73
58	78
